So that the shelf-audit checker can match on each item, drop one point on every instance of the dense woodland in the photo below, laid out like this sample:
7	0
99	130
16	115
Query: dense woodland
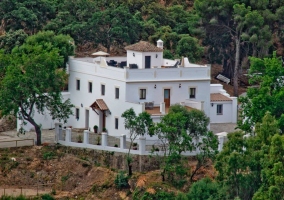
238	34
223	32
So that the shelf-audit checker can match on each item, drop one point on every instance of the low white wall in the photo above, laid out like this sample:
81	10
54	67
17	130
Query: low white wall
141	141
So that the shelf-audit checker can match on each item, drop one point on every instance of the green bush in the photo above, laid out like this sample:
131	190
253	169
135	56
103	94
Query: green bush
47	197
157	196
121	180
206	189
48	155
21	197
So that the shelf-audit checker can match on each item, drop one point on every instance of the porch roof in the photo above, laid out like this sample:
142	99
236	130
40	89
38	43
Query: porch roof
99	104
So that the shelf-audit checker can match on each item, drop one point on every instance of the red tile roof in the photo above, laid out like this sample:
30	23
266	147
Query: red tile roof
219	97
99	104
143	46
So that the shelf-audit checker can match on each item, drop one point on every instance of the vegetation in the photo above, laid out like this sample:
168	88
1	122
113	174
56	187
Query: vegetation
180	131
32	81
138	126
34	48
121	180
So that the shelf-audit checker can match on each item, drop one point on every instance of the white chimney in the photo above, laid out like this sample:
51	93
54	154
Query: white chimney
160	44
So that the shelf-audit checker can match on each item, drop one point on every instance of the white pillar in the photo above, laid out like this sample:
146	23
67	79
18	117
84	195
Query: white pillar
86	137
142	145
143	106
234	109
162	108
57	127
104	139
68	135
221	142
123	141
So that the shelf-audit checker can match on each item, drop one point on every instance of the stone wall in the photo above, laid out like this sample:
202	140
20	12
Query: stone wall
7	123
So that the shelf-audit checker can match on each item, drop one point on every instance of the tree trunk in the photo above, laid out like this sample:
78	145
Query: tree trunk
129	170
236	70
38	135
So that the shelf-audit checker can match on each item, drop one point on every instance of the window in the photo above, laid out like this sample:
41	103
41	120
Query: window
78	84
219	109
103	89
117	93
142	93
192	93
77	113
90	87
116	123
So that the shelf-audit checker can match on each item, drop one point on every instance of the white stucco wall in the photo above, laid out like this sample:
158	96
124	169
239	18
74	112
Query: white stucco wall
44	120
177	95
112	78
135	57
229	111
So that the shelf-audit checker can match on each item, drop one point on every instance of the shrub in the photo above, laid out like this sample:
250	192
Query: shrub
205	189
47	197
121	180
48	155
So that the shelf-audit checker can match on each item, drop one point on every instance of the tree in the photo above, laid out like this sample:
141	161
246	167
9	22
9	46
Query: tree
138	126
244	165
33	83
72	19
12	39
206	189
180	131
239	23
115	25
189	47
49	40
267	74
29	15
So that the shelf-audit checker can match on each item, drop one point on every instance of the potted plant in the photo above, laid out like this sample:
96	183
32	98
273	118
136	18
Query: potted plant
79	138
134	146
95	129
115	145
104	130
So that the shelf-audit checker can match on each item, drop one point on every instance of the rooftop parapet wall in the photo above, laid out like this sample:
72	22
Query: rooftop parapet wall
141	75
168	74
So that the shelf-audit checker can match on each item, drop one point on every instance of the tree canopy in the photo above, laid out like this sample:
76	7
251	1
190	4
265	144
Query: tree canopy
33	83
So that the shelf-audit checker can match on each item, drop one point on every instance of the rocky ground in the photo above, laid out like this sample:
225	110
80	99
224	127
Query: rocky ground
75	173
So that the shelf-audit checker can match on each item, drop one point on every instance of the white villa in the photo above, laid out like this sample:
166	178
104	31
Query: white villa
102	88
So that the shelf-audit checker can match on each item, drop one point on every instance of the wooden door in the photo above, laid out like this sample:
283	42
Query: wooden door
167	97
147	62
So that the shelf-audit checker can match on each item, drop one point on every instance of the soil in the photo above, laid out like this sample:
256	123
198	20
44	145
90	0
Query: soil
68	175
215	70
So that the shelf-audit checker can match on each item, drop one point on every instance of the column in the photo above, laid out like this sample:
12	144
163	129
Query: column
104	139
123	141
86	137
142	145
68	135
162	108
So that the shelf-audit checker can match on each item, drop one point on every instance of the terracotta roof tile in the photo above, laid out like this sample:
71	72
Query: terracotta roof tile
219	97
143	46
99	104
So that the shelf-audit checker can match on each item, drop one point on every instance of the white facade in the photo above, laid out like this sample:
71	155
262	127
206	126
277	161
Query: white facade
87	75
228	105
